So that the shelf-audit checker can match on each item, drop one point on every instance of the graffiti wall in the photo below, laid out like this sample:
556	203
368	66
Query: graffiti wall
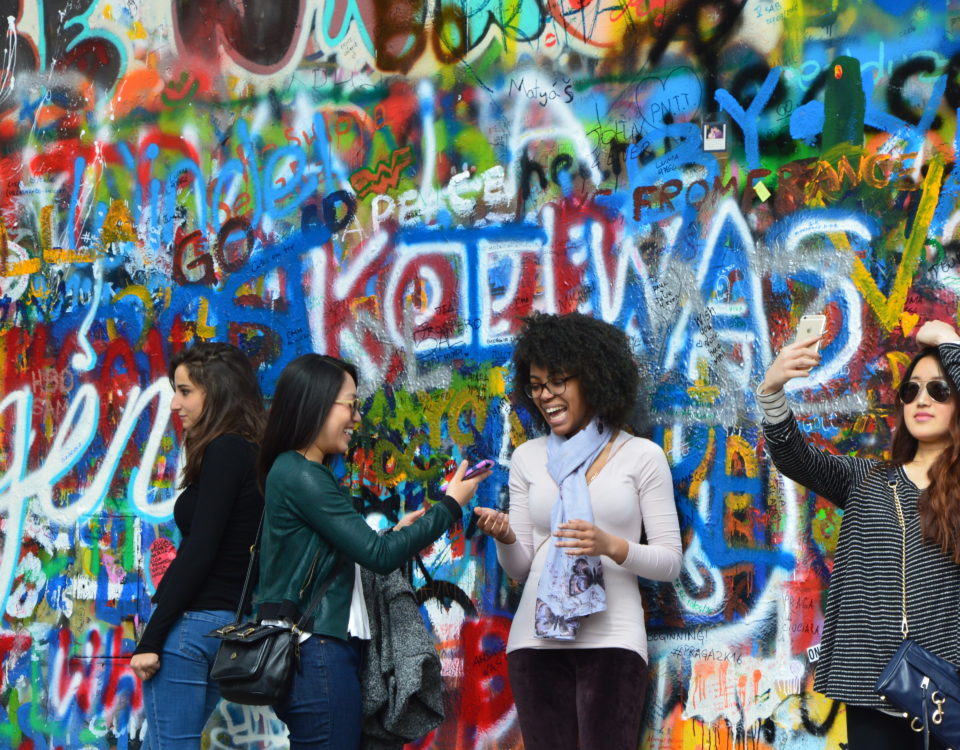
398	182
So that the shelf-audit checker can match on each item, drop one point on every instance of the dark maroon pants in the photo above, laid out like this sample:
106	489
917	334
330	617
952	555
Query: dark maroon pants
589	698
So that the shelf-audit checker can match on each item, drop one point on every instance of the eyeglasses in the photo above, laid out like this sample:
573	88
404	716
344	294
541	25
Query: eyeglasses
939	390
555	386
354	404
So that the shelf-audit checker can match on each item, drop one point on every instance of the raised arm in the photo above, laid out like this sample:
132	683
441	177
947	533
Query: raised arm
825	474
325	508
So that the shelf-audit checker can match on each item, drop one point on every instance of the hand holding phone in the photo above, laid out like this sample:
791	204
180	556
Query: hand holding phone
478	468
796	359
810	326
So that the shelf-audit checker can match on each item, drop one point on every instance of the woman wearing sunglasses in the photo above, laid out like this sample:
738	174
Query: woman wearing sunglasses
581	497
312	531
865	605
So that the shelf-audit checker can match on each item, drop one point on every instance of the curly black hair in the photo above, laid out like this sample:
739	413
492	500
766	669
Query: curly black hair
575	344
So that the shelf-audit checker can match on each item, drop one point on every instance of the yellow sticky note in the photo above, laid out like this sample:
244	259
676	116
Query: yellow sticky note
761	190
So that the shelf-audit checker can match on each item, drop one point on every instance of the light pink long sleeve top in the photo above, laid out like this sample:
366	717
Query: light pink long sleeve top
632	492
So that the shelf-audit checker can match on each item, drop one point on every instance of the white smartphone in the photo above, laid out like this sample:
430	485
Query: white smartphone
811	325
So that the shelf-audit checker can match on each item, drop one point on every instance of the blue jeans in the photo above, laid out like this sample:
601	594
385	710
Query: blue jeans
322	709
180	697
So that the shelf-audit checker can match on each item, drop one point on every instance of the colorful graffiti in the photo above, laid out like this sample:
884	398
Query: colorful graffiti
399	183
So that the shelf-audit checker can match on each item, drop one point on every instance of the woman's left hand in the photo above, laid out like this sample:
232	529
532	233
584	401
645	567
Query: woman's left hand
936	332
495	523
409	518
145	665
584	538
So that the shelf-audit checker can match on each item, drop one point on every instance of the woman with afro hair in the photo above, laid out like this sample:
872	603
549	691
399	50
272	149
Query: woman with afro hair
580	498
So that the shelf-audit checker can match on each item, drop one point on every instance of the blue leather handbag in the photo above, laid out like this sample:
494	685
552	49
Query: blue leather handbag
926	688
919	683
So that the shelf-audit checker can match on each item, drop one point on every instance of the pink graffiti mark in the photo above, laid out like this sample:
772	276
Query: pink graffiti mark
162	553
115	571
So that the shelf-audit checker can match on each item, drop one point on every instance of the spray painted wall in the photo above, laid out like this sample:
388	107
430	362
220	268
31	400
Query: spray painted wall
398	182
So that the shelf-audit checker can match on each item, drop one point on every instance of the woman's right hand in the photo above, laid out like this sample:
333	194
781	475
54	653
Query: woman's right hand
936	332
462	490
793	361
145	665
495	523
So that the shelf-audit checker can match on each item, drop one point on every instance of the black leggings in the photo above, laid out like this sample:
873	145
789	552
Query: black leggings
869	729
586	698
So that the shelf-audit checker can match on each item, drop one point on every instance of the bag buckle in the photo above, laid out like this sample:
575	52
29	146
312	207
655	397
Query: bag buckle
248	631
938	702
227	629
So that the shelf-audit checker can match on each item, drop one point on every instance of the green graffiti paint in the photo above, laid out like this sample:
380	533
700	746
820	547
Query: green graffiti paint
843	104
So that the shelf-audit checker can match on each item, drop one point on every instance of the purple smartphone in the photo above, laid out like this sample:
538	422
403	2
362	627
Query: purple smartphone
477	468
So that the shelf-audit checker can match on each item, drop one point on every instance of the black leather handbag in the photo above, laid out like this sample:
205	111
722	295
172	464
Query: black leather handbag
255	662
919	683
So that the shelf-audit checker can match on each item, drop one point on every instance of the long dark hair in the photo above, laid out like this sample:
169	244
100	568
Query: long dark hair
575	344
939	502
306	391
232	401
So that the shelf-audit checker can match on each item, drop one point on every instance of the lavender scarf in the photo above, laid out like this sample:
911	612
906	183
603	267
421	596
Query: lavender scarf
570	588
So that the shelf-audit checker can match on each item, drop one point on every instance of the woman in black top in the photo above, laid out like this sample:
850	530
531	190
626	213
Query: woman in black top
217	397
863	623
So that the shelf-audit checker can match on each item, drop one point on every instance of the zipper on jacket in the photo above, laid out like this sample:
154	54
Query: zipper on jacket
313	569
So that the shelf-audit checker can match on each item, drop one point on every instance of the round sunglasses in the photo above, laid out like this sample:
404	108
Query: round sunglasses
939	390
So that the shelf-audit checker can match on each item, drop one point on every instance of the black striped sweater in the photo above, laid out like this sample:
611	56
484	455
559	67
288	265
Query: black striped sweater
863	618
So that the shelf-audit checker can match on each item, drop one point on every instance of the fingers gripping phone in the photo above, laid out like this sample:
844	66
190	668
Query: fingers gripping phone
471	472
478	468
810	326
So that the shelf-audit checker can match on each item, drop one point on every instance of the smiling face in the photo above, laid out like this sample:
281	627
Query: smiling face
335	435
188	398
566	413
926	419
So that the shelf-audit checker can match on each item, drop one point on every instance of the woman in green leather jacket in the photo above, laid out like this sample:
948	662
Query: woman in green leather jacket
310	522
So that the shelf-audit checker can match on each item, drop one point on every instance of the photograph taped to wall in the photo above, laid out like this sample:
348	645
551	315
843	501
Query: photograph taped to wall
714	136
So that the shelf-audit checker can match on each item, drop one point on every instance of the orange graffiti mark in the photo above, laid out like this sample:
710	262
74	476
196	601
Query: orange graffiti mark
140	89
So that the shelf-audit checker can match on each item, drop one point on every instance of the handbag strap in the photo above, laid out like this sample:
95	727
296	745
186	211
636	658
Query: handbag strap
318	595
245	594
314	601
892	484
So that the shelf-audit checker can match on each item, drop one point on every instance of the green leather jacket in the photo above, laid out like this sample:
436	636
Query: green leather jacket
306	511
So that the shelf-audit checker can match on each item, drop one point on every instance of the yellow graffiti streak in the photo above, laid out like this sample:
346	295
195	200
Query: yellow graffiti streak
889	310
